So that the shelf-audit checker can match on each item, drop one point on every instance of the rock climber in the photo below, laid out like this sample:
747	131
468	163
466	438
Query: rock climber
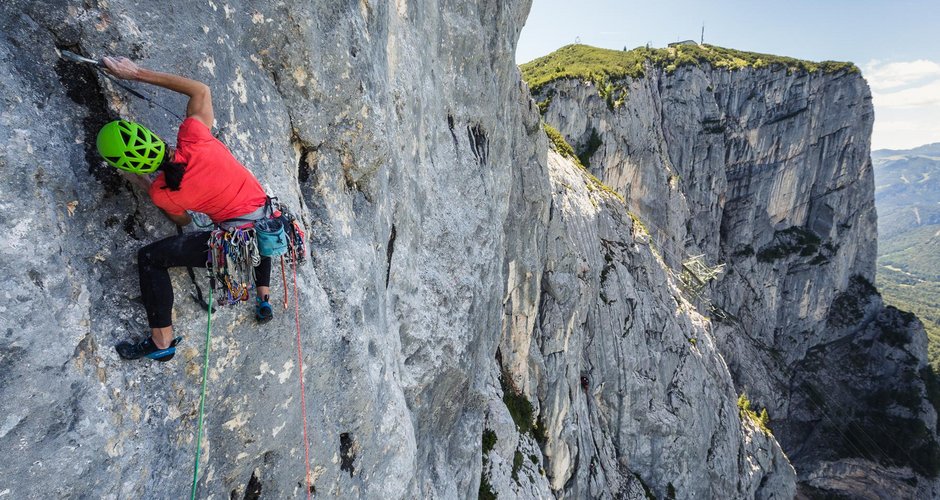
200	174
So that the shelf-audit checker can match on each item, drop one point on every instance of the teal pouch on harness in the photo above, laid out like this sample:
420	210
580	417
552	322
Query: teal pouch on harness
272	240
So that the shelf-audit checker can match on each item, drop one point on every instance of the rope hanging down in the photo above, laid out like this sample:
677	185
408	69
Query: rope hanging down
296	254
202	399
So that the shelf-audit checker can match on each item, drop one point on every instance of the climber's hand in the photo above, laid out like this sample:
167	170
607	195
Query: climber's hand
122	68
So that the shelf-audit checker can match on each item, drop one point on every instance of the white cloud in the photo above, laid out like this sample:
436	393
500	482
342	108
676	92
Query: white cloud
891	75
904	128
906	96
924	95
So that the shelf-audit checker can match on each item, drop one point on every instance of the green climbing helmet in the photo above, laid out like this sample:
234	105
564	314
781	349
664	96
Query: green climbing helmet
130	146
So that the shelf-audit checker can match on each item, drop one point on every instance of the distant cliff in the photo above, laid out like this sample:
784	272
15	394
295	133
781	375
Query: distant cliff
761	164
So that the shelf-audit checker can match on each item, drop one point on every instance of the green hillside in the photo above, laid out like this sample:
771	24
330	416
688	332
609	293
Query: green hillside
605	65
907	196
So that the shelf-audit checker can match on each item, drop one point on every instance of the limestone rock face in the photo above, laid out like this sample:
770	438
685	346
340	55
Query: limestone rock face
767	172
393	128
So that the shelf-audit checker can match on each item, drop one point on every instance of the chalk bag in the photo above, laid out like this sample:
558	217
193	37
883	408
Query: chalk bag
272	241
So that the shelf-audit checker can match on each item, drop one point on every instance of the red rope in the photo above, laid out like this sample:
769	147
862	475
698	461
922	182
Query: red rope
300	366
284	281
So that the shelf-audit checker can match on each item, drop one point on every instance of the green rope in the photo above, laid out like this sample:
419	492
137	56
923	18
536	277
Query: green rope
202	398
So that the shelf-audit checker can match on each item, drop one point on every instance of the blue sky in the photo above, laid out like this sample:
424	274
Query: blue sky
896	43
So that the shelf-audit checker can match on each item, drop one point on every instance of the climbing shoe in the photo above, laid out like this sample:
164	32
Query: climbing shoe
263	310
147	349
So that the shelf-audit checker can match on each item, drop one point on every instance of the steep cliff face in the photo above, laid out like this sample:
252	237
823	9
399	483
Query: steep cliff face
766	170
738	166
367	118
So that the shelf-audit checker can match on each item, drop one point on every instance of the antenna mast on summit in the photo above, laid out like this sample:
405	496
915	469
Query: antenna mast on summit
703	35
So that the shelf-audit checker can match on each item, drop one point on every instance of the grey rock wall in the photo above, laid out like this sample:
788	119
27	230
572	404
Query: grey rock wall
768	172
385	125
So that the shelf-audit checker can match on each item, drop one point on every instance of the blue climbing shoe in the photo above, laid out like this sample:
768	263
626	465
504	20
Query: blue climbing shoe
147	349
263	311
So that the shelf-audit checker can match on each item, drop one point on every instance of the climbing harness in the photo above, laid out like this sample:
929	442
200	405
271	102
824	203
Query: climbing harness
202	399
234	253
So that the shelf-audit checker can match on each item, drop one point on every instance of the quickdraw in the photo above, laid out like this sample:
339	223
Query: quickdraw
296	248
233	255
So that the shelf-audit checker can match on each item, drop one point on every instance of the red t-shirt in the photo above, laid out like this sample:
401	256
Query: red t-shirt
214	183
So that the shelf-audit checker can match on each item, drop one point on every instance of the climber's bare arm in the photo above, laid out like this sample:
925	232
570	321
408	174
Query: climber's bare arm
179	220
200	98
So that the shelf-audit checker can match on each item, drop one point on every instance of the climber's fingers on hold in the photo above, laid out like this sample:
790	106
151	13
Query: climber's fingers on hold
121	67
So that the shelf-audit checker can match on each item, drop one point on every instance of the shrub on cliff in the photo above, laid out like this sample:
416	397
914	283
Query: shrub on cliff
559	144
761	420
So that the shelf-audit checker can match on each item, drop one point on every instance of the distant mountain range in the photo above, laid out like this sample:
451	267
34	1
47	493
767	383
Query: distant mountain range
907	190
927	150
907	196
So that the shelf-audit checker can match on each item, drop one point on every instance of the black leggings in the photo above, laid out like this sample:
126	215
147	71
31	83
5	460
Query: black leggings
184	250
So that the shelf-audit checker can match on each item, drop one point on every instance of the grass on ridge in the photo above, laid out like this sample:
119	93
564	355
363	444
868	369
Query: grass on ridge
602	66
